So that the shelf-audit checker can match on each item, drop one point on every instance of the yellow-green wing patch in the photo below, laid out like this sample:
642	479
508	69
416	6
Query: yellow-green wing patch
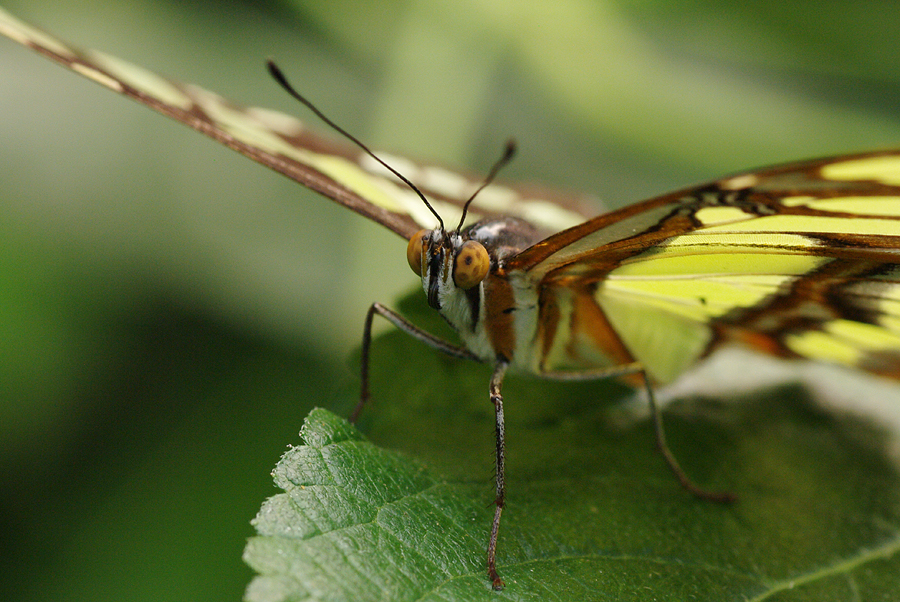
787	261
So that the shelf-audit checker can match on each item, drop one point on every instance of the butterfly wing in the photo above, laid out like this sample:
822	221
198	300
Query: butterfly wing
794	261
800	260
283	143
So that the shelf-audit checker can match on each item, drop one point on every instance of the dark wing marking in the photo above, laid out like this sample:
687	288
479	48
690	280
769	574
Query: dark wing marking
801	260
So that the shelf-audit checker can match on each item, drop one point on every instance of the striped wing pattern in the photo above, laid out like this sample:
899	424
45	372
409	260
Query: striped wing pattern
285	144
801	260
795	261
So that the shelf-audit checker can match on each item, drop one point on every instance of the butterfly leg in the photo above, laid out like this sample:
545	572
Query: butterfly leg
706	494
410	329
497	400
637	368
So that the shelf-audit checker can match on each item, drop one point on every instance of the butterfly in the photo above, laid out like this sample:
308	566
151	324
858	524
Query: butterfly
794	261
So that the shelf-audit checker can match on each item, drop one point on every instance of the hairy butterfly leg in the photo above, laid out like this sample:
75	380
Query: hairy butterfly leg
496	398
637	368
410	329
500	476
693	488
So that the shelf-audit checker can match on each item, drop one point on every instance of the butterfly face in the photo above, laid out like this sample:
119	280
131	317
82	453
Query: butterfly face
448	263
461	272
453	268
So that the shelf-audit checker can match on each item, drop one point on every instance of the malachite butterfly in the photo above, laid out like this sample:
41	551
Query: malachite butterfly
794	261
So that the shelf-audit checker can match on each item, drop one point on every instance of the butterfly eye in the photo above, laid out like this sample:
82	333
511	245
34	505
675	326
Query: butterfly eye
472	264
414	251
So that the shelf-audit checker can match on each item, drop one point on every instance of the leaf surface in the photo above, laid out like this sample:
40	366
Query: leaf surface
403	512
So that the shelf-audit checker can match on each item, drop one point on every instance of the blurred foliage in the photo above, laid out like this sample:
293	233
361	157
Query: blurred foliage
172	310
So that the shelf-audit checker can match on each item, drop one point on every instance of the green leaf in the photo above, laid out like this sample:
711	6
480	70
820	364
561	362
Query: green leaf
593	512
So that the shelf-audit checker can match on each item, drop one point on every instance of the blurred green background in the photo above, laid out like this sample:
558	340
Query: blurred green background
171	311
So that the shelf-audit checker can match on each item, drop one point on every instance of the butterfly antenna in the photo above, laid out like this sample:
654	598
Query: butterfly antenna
508	154
277	74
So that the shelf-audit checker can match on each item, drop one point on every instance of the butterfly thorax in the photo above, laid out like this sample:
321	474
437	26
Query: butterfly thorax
492	318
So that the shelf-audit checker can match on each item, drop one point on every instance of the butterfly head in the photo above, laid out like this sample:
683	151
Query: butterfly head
451	262
447	263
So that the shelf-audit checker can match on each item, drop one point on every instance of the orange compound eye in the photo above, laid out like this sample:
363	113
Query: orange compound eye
471	265
414	251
